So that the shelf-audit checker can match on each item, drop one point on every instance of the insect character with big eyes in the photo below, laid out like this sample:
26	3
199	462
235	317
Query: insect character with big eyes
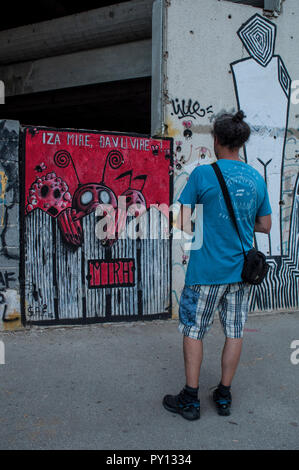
187	132
178	144
51	194
179	162
184	257
40	168
87	198
155	150
203	154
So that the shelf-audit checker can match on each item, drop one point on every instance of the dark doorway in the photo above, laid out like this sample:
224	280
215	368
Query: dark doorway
123	106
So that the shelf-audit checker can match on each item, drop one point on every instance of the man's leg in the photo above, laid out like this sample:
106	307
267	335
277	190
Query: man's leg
233	315
187	402
197	308
193	354
230	359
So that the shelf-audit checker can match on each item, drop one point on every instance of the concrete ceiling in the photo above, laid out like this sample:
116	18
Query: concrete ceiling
24	13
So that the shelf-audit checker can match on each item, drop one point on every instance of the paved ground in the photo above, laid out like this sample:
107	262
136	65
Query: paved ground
100	387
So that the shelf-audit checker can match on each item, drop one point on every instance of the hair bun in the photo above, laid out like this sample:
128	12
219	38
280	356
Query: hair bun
239	116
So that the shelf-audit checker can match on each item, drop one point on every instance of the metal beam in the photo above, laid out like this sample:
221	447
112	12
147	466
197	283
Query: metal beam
121	62
157	68
253	3
2	92
120	23
273	5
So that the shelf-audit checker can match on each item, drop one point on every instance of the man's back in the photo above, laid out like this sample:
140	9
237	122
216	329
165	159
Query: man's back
220	260
213	281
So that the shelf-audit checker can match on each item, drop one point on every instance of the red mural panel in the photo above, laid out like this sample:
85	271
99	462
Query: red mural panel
68	174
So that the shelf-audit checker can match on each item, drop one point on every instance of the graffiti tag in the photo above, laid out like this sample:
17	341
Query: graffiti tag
6	278
116	273
189	108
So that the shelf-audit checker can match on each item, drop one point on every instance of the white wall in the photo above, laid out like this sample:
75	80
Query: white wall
201	44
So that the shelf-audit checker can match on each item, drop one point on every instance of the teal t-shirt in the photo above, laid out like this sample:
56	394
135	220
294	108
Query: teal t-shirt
220	259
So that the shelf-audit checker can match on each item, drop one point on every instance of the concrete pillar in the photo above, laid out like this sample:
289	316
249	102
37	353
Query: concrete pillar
10	313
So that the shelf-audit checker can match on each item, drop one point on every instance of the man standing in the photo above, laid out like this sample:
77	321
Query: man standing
213	281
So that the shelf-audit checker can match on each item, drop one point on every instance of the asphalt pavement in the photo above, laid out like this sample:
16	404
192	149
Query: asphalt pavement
101	387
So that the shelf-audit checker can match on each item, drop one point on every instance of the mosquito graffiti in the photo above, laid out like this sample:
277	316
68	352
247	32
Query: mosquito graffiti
50	193
92	202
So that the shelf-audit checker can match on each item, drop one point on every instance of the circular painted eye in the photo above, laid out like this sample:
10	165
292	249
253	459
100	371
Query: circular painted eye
104	197
86	197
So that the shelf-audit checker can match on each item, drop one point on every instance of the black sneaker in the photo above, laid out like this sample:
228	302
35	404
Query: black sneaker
178	404
222	403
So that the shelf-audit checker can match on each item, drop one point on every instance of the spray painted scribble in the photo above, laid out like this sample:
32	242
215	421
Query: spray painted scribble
10	316
189	108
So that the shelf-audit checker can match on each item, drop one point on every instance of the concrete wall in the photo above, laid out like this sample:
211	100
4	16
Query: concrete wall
105	44
10	316
213	64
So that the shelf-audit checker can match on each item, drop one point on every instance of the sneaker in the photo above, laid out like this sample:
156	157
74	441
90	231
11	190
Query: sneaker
222	403
178	404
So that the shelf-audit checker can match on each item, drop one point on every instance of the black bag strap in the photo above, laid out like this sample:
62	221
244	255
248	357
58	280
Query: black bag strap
228	201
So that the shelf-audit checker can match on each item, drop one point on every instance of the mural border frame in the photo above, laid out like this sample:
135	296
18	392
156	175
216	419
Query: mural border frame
83	320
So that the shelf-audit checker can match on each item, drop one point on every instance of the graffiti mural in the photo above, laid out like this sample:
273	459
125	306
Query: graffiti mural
78	184
10	311
250	69
280	290
190	150
262	86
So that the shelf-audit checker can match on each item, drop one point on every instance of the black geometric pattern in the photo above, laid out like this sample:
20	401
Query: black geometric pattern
284	78
280	289
258	36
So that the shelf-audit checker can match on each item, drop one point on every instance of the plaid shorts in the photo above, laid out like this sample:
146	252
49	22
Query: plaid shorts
199	304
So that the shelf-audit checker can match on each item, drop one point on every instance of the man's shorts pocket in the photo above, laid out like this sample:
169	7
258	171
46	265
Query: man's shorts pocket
188	306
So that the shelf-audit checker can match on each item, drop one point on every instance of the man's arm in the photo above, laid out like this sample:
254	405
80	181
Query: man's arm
263	224
184	220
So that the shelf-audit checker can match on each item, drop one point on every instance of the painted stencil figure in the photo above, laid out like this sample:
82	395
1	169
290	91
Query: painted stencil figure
262	86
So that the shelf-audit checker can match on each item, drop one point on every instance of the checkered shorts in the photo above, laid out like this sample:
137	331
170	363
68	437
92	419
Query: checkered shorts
199	304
